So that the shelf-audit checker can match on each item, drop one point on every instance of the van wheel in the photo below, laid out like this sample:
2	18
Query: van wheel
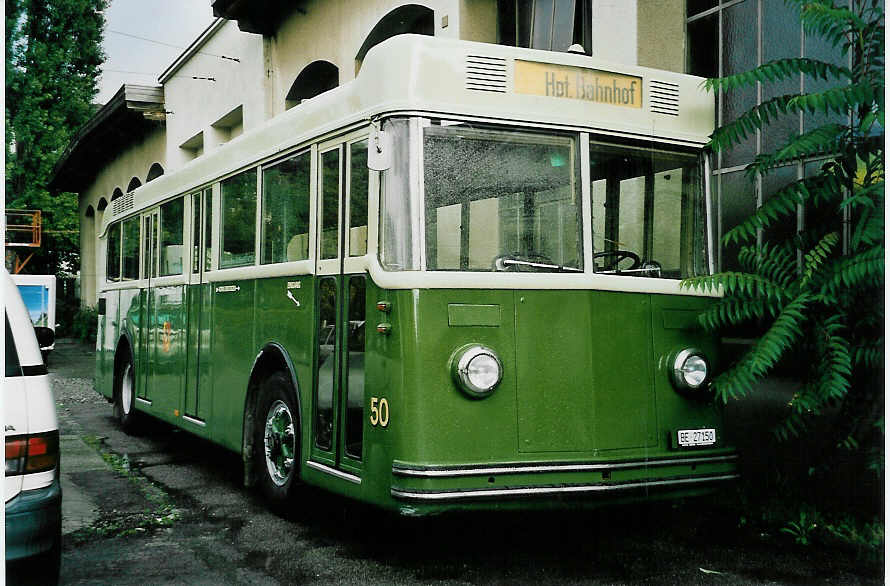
276	447
125	399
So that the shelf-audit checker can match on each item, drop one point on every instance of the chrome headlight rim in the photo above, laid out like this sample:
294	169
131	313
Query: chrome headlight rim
460	364
677	375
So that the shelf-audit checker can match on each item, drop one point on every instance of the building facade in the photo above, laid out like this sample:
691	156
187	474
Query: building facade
725	37
257	60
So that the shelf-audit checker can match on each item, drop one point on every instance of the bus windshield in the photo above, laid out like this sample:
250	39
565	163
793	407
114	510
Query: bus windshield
499	200
505	200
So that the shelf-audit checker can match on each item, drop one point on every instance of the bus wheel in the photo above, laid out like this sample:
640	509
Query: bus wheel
125	398
276	441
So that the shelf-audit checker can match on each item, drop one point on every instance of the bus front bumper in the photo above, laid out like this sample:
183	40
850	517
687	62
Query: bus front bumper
443	484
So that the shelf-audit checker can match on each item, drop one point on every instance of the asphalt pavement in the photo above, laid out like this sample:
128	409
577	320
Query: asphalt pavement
165	507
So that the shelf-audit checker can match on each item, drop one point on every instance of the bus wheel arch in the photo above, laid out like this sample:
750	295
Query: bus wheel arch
271	367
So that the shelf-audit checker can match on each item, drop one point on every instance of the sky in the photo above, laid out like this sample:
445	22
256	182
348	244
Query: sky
134	60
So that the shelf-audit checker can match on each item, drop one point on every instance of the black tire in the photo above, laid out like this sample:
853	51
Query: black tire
276	454
51	562
125	397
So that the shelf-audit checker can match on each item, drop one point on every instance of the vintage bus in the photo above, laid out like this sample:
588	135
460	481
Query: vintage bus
453	282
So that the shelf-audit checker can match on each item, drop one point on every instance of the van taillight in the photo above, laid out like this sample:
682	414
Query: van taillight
26	454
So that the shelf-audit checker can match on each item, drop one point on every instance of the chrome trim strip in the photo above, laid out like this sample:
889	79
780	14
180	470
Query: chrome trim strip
547	490
143	401
334	472
709	214
541	468
193	420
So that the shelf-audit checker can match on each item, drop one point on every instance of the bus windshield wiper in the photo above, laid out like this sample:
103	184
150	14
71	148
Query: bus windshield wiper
504	264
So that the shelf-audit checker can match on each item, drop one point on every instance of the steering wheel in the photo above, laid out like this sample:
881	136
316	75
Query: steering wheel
619	255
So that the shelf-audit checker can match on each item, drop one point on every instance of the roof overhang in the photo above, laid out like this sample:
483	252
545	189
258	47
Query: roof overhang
134	111
256	16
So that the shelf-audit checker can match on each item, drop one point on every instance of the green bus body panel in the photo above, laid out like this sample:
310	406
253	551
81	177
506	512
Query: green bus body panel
474	315
584	371
585	380
233	351
280	321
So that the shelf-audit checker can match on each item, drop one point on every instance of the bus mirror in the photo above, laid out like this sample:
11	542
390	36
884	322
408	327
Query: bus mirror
379	150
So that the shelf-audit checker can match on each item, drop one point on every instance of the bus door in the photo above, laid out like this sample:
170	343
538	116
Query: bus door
339	390
167	311
147	330
195	403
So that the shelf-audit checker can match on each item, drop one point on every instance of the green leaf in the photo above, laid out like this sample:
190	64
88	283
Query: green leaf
780	70
821	140
765	352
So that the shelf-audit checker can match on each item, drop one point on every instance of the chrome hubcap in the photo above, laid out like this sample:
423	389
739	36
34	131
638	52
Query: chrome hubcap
127	390
279	442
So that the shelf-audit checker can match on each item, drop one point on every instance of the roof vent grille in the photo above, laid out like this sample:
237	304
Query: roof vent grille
664	98
486	74
122	204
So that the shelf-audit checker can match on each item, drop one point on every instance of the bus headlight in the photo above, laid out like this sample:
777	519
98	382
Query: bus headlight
690	370
477	370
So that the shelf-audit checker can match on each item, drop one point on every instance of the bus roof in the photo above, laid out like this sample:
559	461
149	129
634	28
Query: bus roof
445	77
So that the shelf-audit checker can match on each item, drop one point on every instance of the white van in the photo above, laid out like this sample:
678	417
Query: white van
31	434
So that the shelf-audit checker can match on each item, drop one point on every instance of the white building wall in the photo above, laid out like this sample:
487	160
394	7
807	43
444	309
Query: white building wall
132	162
334	31
193	105
615	30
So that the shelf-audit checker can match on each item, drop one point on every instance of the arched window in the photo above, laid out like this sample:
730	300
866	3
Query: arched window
134	183
410	18
102	205
317	77
154	172
116	194
89	213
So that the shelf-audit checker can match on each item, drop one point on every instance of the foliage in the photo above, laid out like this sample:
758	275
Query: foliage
811	526
53	54
85	324
816	298
802	528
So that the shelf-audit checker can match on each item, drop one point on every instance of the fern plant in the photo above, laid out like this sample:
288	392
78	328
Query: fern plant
816	297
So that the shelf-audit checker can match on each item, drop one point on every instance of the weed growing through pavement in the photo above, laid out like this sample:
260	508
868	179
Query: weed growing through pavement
161	512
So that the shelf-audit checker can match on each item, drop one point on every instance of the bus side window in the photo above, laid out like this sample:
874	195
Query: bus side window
329	190
285	208
113	264
172	236
130	249
238	227
358	198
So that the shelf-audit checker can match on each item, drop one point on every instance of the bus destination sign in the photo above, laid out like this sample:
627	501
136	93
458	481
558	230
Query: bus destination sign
578	83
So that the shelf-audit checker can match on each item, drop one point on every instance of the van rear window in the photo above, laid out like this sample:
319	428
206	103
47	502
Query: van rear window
13	368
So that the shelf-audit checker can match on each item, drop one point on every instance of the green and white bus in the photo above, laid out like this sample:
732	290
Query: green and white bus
450	283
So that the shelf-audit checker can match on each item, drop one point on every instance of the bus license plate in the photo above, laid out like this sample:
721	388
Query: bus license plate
688	438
